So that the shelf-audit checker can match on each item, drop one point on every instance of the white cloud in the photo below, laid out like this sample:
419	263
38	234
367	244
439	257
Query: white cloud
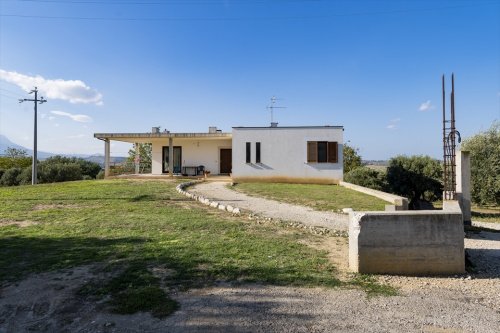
74	91
426	106
393	123
81	118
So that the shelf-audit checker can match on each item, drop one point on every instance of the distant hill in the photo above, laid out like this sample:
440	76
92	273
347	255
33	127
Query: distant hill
6	143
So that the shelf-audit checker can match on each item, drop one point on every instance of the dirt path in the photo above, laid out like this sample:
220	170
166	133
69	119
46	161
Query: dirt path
271	208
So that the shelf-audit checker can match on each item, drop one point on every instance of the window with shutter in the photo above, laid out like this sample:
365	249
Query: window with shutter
333	152
312	151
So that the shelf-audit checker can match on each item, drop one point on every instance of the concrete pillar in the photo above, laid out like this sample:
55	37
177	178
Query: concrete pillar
463	184
171	157
137	158
106	157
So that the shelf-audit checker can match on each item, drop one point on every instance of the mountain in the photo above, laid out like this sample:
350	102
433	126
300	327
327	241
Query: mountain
6	143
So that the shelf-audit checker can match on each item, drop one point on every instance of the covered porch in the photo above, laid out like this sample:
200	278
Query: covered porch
187	154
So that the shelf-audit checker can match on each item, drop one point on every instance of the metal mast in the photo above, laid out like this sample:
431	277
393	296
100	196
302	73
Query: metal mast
449	145
34	165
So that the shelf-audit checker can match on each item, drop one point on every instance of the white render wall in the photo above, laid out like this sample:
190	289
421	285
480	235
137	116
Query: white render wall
284	154
195	152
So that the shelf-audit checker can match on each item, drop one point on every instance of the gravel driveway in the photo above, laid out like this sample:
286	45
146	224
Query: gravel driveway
270	208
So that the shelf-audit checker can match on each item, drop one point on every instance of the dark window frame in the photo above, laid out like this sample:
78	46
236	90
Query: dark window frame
248	152
257	152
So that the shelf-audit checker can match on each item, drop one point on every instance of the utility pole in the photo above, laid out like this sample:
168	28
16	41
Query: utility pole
34	165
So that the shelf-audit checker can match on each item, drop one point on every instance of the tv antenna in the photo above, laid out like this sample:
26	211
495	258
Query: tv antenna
273	106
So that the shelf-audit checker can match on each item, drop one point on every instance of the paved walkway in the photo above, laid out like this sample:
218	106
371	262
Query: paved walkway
218	191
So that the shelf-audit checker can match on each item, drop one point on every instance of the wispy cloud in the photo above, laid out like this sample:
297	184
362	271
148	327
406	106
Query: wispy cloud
393	123
81	118
426	106
73	91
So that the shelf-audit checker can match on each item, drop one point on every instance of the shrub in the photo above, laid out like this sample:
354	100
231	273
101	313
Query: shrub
14	162
24	177
87	167
1	172
10	177
58	172
364	176
87	177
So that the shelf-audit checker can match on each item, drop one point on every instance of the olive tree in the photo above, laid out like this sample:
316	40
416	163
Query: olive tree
352	159
484	151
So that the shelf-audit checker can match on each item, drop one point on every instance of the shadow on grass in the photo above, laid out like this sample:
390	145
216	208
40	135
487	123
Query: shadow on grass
489	215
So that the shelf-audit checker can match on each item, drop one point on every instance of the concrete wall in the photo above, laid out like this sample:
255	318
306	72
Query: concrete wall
284	155
407	242
194	153
398	203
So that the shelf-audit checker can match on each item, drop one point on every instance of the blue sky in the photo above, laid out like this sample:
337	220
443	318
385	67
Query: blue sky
124	66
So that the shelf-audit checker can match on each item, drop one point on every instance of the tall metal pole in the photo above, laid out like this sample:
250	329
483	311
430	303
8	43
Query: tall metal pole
34	163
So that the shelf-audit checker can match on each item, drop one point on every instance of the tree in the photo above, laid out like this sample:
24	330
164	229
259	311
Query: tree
145	152
11	152
485	165
352	160
415	177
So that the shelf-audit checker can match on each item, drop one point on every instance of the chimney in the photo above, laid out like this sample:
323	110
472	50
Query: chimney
155	130
274	124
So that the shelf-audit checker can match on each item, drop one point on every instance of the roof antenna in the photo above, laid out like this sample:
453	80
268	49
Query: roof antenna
272	107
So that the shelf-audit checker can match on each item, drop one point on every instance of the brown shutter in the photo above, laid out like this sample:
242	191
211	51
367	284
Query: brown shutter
333	152
312	151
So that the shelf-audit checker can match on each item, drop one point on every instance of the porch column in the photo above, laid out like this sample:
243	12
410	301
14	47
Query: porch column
137	159
171	157
106	157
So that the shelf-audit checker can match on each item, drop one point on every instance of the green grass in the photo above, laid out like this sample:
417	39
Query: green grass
131	225
319	197
481	214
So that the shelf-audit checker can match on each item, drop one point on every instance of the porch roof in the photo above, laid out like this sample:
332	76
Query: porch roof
148	137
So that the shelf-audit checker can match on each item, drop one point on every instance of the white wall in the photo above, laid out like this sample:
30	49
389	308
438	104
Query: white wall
284	154
195	152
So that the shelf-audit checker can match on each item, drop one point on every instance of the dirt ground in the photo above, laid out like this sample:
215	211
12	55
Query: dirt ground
48	302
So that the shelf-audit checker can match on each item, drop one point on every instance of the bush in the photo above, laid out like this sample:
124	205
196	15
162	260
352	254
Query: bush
87	177
58	172
364	176
1	172
10	177
87	167
14	162
24	177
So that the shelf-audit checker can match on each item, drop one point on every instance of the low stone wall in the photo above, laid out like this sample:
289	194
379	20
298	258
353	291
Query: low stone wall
398	203
407	242
181	188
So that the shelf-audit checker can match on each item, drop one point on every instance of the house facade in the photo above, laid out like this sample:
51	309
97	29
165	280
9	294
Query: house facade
306	154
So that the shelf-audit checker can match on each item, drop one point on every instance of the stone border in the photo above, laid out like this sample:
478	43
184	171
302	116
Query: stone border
181	188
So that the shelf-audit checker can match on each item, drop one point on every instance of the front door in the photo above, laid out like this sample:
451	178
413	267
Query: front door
177	159
226	161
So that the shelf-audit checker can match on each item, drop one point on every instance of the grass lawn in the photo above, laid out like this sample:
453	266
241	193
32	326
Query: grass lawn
481	214
319	197
131	226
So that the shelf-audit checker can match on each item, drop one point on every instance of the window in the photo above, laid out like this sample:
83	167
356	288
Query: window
257	152
322	152
248	153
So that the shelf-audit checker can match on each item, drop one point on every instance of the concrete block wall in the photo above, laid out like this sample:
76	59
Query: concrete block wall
407	242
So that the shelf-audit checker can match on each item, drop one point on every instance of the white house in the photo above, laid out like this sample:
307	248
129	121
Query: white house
306	154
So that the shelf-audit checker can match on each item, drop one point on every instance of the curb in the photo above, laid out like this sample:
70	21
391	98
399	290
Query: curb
181	188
